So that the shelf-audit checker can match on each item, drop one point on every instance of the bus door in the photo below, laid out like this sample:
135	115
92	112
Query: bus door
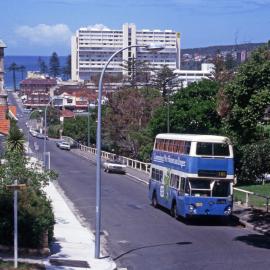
182	195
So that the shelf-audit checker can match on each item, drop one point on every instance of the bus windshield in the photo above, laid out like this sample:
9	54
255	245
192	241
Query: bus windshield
212	149
207	187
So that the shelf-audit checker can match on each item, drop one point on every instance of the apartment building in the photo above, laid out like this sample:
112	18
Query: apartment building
185	77
91	47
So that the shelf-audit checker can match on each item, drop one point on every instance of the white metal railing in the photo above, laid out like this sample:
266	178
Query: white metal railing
131	163
250	193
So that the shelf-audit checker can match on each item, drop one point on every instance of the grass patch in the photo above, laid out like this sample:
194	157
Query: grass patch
255	201
21	266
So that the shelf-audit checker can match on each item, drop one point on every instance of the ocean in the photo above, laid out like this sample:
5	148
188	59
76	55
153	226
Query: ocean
30	63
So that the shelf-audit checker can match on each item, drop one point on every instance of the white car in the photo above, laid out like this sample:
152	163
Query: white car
63	145
114	166
33	132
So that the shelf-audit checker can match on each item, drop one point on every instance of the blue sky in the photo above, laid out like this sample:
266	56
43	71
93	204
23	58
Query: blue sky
39	27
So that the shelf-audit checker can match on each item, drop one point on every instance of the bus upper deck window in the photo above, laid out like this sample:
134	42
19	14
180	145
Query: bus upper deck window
221	149
212	149
187	147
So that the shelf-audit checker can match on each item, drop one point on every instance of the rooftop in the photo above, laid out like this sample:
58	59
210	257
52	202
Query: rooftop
2	44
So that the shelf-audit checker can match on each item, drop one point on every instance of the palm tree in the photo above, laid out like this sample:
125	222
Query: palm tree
13	67
22	69
15	140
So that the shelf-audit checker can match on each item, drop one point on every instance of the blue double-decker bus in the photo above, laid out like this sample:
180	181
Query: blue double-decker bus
192	175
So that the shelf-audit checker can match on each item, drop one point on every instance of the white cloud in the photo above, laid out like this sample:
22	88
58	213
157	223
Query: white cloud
45	34
98	27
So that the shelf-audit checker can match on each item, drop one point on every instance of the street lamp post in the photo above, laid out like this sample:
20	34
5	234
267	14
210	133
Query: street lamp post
168	104
28	137
88	125
45	129
152	47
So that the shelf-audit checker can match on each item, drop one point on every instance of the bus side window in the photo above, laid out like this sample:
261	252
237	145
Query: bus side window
182	185
160	175
157	174
174	181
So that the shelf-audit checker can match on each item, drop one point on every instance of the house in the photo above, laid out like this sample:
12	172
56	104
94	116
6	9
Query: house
76	97
37	91
6	111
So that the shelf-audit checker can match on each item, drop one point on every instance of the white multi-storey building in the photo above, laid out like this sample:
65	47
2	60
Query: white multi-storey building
91	47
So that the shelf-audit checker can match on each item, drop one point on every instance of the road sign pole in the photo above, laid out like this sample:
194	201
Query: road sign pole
15	226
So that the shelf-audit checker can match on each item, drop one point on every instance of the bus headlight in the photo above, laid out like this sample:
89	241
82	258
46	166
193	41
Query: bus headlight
191	208
228	211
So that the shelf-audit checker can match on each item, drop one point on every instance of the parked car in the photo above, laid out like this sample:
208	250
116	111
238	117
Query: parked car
33	132
114	166
63	145
41	136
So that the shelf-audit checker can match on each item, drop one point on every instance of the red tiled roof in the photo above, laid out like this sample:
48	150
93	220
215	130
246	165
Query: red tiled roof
39	81
67	113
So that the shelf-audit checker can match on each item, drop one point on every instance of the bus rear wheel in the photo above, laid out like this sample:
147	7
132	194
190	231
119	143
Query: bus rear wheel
154	200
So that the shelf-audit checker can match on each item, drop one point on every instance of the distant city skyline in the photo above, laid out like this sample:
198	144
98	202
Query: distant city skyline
39	27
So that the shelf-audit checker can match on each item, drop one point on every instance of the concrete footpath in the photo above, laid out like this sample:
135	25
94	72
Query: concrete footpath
74	245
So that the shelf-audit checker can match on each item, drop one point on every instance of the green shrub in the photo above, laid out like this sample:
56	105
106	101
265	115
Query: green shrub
54	131
35	219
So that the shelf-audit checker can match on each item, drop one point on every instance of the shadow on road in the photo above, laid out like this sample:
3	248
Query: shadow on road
256	240
151	246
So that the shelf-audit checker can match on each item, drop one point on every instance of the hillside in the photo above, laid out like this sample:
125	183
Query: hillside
212	50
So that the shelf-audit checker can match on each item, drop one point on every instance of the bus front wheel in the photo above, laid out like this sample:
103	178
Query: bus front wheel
154	200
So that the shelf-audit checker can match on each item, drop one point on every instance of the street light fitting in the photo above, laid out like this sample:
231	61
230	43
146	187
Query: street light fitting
154	47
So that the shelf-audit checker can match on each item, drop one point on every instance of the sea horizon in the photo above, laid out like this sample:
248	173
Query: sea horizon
29	62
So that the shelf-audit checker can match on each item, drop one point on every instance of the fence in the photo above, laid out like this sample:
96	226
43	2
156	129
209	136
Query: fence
131	163
251	199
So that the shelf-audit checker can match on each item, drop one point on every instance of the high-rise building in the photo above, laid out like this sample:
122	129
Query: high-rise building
91	47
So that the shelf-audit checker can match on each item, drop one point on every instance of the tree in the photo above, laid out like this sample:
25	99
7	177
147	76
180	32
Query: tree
22	69
126	118
230	62
15	139
76	128
138	71
247	169
54	65
248	97
67	68
35	211
42	66
163	80
14	68
192	110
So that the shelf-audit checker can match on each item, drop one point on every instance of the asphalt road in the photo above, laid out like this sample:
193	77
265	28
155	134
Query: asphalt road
137	236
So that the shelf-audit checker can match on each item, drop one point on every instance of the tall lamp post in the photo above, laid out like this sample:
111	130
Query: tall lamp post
45	128
153	48
88	125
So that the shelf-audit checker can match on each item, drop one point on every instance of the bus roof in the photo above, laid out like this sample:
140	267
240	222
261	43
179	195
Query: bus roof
194	137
